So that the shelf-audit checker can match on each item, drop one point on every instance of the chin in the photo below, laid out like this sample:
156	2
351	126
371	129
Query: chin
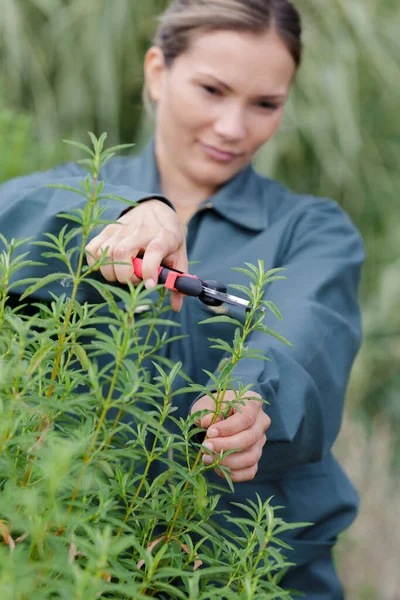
214	181
219	173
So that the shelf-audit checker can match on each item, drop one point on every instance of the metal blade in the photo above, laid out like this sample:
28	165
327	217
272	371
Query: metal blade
228	298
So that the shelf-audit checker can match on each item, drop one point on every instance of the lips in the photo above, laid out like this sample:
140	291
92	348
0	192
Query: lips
219	155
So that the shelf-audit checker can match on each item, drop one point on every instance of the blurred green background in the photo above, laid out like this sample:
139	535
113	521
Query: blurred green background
69	66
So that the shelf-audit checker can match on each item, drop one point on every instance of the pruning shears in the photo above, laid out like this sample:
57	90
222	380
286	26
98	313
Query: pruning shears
209	292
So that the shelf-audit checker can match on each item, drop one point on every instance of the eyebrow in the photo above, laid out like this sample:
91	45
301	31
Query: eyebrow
225	86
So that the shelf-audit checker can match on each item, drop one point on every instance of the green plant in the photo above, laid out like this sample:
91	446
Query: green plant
18	146
86	405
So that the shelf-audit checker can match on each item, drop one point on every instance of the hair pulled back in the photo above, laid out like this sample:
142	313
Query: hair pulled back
184	18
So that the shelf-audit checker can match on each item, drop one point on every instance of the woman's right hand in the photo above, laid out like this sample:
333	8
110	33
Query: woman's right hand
151	228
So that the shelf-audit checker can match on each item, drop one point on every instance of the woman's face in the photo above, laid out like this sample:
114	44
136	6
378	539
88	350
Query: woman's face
217	103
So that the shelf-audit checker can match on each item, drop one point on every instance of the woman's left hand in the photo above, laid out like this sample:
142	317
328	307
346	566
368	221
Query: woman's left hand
244	430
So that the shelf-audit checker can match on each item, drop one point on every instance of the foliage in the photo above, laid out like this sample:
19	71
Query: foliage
76	65
18	146
83	423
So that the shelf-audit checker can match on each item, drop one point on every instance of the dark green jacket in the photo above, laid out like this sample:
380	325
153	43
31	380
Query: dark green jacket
253	217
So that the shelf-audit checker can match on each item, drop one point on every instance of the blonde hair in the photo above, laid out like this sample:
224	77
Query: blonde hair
185	18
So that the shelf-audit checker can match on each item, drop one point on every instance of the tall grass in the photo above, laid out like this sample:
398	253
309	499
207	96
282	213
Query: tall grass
341	135
78	66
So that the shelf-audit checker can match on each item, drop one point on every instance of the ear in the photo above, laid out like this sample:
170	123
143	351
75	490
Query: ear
154	71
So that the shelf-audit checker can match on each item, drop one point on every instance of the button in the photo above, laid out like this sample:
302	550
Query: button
206	206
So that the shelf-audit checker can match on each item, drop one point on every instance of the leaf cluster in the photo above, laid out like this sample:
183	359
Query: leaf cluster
100	496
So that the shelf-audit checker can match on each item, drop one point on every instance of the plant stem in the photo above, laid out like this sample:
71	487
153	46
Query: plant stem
77	281
141	358
218	408
150	461
61	342
106	407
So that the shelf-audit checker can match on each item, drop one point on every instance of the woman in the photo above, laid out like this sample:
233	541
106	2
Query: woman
219	75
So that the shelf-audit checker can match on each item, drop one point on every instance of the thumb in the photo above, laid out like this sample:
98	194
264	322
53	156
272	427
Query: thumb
204	403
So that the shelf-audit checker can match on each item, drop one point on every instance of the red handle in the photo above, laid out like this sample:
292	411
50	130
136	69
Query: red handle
174	280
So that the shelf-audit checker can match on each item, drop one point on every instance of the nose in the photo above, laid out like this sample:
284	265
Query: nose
230	124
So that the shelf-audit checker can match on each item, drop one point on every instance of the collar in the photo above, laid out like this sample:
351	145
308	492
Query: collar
242	200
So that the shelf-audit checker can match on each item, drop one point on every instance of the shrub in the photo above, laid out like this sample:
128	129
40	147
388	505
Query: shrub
82	423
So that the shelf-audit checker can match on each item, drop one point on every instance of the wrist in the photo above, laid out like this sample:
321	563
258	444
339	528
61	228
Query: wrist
151	198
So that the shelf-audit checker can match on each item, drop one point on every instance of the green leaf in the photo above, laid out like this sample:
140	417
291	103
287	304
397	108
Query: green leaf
95	142
275	335
255	355
119	148
67	188
41	283
224	362
255	270
241	288
227	472
118	199
222	319
248	273
289	526
81	355
221	345
86	162
80	147
273	309
38	357
277	278
273	271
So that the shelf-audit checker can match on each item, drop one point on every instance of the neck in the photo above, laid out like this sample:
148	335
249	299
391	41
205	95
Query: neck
185	194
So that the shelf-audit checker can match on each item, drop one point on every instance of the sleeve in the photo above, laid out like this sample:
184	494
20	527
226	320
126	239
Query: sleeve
306	385
29	209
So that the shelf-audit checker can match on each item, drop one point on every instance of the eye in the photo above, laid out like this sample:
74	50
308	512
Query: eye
268	105
211	89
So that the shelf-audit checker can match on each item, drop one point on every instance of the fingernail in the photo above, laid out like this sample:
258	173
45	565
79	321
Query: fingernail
209	446
213	433
207	459
149	283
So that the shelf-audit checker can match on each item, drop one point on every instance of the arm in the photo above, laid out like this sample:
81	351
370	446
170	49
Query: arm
305	385
29	209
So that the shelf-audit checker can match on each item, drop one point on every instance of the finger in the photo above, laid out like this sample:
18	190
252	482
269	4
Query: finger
204	403
177	301
239	441
160	249
243	418
125	246
240	460
124	252
242	475
208	419
179	261
179	258
93	248
107	268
